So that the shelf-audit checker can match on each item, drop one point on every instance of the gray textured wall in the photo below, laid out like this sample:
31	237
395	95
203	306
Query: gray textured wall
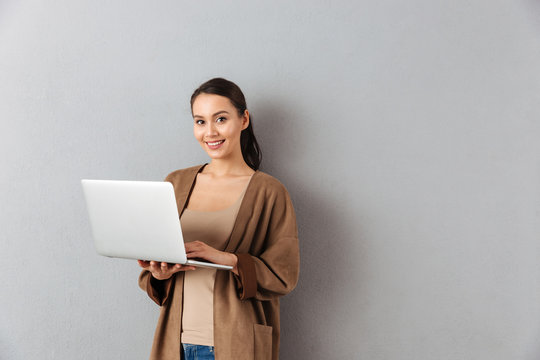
406	132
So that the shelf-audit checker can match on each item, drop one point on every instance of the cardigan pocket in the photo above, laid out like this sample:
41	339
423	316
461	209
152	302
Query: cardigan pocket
263	342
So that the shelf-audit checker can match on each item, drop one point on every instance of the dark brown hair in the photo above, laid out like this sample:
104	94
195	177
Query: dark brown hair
219	86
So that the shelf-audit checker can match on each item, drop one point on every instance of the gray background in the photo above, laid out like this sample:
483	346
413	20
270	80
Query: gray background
406	132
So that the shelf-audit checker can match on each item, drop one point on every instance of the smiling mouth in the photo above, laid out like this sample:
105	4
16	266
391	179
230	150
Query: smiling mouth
214	145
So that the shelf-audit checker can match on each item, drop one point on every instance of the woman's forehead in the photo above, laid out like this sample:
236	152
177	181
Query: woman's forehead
209	104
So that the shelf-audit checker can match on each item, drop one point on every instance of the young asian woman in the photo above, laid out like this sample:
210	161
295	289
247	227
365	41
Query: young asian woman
234	214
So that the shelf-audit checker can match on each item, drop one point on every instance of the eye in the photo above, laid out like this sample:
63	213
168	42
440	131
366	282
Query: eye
221	119
199	122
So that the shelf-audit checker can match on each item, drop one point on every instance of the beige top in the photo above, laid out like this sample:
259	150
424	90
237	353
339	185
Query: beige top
214	229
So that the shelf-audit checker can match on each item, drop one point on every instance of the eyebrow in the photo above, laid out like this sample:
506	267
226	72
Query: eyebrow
219	112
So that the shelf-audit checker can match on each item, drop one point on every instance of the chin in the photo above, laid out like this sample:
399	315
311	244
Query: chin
215	155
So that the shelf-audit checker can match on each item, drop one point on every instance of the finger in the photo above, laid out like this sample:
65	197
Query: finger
194	245
154	266
200	252
178	267
187	267
194	254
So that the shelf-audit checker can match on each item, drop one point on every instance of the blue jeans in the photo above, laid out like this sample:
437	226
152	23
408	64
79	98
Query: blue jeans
197	352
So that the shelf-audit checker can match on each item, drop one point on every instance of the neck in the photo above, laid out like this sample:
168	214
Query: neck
221	167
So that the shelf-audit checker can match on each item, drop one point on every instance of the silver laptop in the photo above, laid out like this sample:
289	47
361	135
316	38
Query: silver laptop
137	220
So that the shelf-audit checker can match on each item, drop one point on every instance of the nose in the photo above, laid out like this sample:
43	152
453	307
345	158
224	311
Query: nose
211	129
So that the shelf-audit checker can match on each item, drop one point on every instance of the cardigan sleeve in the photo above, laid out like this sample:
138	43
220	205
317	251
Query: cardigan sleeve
157	290
275	270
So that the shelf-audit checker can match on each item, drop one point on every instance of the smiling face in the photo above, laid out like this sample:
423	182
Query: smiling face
217	126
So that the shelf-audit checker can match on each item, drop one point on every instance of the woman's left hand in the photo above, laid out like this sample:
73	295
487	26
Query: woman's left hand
198	249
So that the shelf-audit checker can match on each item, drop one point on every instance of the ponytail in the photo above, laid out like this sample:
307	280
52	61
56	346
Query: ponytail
250	148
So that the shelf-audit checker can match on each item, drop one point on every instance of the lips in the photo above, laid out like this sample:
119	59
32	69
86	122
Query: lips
215	144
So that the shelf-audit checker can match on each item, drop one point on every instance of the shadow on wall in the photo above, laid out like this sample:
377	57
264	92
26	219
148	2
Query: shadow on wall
326	236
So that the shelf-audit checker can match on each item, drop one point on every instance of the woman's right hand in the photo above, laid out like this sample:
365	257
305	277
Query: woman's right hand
163	270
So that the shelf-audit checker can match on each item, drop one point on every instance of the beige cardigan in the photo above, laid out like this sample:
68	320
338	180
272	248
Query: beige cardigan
246	307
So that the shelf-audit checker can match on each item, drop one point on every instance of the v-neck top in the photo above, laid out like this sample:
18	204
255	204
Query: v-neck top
213	228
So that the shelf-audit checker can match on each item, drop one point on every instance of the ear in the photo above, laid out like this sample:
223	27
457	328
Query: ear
245	119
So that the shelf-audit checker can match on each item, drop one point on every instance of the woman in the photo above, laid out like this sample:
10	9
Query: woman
233	214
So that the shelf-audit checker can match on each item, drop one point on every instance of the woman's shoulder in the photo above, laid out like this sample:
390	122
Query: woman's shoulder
269	183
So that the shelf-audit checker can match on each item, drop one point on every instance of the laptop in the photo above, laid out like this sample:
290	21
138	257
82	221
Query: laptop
137	220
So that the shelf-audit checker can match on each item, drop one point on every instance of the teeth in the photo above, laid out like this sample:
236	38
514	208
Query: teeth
215	143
